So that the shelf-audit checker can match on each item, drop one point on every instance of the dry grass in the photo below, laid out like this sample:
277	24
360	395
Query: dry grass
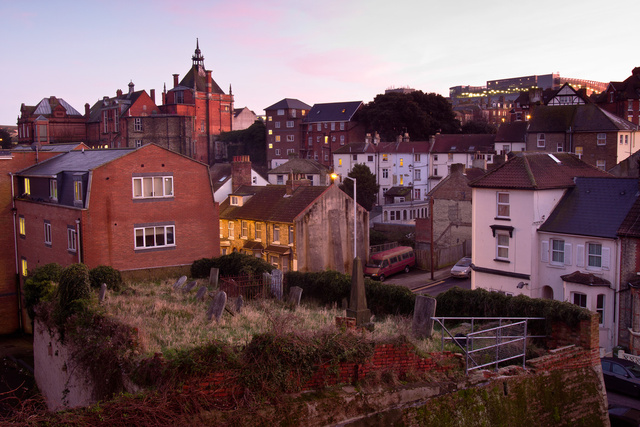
168	319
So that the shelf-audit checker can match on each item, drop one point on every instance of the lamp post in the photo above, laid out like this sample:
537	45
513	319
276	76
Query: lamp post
355	213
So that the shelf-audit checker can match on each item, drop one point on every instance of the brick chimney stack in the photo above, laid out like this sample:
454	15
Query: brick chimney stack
175	80
119	93
87	109
240	171
293	184
152	95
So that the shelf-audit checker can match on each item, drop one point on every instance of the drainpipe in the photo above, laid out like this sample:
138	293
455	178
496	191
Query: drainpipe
78	240
15	249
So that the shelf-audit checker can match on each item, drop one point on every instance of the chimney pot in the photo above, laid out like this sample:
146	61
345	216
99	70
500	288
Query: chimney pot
175	80
152	95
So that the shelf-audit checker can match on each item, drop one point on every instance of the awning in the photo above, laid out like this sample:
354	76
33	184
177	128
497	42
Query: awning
281	250
253	246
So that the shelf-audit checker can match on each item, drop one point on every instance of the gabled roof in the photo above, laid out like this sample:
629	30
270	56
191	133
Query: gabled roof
455	186
421	147
630	226
289	103
198	75
580	118
512	132
47	105
62	148
627	89
538	171
271	203
594	207
356	147
333	112
220	173
126	100
463	143
75	160
589	279
300	166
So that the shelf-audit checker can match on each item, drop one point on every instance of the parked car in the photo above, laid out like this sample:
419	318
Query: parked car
621	375
383	264
462	269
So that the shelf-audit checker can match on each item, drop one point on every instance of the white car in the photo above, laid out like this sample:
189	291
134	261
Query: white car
462	268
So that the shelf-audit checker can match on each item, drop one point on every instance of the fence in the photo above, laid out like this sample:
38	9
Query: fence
442	256
487	344
379	248
249	287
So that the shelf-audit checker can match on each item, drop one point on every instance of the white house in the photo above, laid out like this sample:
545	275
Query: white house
296	169
226	177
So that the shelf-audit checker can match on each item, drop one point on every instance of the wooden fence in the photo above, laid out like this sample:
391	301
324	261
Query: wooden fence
442	257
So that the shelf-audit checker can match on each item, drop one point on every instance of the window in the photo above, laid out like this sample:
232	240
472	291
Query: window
154	236
22	228
370	158
105	121
502	246
326	157
541	140
626	139
280	112
293	113
333	126
289	123
258	231
594	255
116	122
270	132
277	125
417	175
270	146
602	139
319	127
341	127
234	200
53	189
291	235
179	97
277	138
23	267
290	150
27	186
416	158
244	229
580	299
355	157
317	138
385	157
47	233
339	162
77	191
557	251
230	229
435	171
401	179
601	164
435	157
202	126
560	147
341	139
579	152
277	151
630	105
276	233
290	138
600	307
503	205
416	194
138	143
152	187
71	239
401	161
137	124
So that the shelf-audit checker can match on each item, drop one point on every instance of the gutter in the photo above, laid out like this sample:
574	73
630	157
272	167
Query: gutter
15	250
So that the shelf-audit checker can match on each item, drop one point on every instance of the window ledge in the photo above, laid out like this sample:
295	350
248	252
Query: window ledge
502	218
506	261
558	266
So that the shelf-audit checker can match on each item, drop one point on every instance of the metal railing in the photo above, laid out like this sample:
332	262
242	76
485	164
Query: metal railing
493	345
249	287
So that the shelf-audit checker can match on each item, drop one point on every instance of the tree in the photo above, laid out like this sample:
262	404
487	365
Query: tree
5	139
419	114
478	126
366	187
247	142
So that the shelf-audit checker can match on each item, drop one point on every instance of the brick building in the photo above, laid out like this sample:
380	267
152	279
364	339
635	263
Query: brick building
51	121
131	209
623	98
284	130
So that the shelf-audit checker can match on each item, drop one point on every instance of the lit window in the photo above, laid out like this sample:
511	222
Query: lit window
401	179
77	191
502	246
53	189
22	226
27	186
579	152
385	157
154	237
594	253
600	307
270	146
339	162
503	205
541	140
269	118
270	132
71	239
152	187
47	233
401	161
277	138
23	267
326	139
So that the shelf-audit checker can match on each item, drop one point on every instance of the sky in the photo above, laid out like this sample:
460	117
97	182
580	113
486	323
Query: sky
315	51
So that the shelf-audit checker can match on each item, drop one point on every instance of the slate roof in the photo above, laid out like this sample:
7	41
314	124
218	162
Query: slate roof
580	118
288	103
589	279
627	89
45	106
463	143
421	147
76	160
538	171
594	207
126	99
197	74
270	203
220	173
512	132
333	112
62	148
398	191
300	166
356	147
630	226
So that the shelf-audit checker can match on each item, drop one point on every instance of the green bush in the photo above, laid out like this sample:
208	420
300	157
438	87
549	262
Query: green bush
105	274
383	298
234	264
40	285
74	291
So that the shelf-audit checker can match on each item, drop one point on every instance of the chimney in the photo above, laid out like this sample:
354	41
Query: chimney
119	93
240	171
367	138
293	184
131	86
376	138
405	137
208	80
457	168
152	95
87	109
175	80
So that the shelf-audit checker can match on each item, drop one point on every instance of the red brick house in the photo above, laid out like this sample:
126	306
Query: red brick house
623	98
284	130
51	121
132	209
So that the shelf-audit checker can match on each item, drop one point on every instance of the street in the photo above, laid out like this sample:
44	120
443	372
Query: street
420	282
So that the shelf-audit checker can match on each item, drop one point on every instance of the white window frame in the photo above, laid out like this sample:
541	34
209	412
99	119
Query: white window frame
540	140
290	123
501	205
601	138
291	138
137	124
600	306
53	189
138	143
341	125
47	233
167	231
72	239
277	125
291	235
280	112
231	230
244	229
417	175
594	259
501	246
258	232
557	247
579	299
276	233
161	186
601	164
105	121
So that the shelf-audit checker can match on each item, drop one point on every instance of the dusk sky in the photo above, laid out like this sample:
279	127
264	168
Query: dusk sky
315	51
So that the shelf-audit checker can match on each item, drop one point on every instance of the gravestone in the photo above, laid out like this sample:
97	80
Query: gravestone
239	304
276	283
216	308
358	301
345	303
213	277
295	293
423	312
103	292
180	282
189	286
201	292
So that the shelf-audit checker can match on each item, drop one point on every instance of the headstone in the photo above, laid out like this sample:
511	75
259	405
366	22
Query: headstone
201	292
345	303
276	283
295	293
423	312
358	301
189	286
180	282
103	292
213	277
216	308
239	304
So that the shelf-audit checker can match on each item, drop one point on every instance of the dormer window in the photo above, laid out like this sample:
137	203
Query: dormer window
235	201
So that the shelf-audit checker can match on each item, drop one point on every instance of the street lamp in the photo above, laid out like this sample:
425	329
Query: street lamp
355	213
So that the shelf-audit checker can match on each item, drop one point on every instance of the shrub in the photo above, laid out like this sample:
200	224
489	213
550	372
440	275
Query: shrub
234	264
105	274
383	298
40	286
74	291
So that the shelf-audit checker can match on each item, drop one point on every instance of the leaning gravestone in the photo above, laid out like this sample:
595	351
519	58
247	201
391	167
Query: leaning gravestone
201	292
103	292
216	308
239	304
295	293
189	286
276	283
213	277
180	282
423	312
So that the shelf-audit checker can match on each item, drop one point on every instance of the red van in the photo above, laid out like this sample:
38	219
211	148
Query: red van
383	264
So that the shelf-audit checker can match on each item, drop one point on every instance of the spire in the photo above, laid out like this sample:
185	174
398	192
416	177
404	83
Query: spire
197	57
